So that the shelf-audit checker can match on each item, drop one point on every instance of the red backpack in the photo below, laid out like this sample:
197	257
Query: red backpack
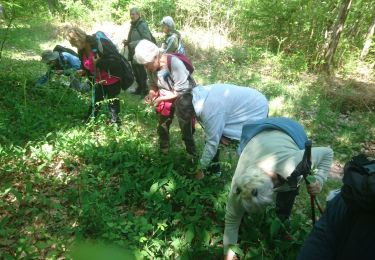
183	58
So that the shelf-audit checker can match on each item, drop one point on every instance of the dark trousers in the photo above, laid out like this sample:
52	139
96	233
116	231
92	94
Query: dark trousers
285	202
184	113
109	92
140	77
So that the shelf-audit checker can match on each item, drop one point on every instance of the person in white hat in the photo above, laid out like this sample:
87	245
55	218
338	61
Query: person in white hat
177	83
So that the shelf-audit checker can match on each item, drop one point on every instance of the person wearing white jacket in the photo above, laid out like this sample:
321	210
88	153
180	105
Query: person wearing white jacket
271	150
222	110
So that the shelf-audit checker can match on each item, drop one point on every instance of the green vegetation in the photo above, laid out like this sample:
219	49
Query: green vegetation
70	189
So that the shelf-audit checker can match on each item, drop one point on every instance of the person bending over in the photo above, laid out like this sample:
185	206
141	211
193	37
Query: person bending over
176	83
222	110
271	150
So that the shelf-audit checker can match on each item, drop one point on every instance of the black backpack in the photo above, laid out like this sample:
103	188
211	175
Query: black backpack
358	190
356	232
61	49
104	44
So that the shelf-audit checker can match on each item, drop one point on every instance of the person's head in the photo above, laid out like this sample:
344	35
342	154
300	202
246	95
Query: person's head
167	24
148	54
50	57
135	14
254	189
77	37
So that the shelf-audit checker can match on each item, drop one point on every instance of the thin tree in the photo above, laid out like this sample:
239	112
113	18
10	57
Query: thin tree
333	37
51	6
368	39
9	18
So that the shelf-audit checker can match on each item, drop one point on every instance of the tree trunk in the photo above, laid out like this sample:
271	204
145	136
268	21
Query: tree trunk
333	36
7	29
368	40
51	6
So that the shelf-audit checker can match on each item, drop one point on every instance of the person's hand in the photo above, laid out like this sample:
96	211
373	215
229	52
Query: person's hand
148	99
225	141
152	94
156	101
230	256
80	73
314	188
199	174
59	72
102	81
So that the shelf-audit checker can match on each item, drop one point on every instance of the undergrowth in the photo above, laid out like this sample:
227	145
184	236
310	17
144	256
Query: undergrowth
75	189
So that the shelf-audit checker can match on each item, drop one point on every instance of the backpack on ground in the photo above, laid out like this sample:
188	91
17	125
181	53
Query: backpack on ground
188	64
358	190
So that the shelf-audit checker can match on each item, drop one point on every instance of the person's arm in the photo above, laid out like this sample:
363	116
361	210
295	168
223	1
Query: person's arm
321	158
168	96
144	33
179	75
152	86
233	216
213	124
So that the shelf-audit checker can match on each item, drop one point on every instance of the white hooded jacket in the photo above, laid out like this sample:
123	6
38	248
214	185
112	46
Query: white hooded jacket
223	109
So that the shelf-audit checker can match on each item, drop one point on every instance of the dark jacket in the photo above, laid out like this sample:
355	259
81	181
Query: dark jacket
110	60
138	31
340	234
347	228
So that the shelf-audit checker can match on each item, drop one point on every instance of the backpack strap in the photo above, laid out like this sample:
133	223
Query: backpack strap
169	65
169	61
99	42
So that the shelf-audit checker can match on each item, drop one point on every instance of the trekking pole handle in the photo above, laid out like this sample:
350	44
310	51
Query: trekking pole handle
308	145
307	159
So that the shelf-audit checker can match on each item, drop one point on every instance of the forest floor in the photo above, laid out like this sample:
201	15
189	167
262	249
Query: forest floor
86	190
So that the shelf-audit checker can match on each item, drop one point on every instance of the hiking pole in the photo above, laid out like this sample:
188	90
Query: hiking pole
307	159
313	198
318	205
304	169
93	94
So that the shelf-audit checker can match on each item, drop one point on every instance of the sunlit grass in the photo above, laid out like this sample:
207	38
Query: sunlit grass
64	180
